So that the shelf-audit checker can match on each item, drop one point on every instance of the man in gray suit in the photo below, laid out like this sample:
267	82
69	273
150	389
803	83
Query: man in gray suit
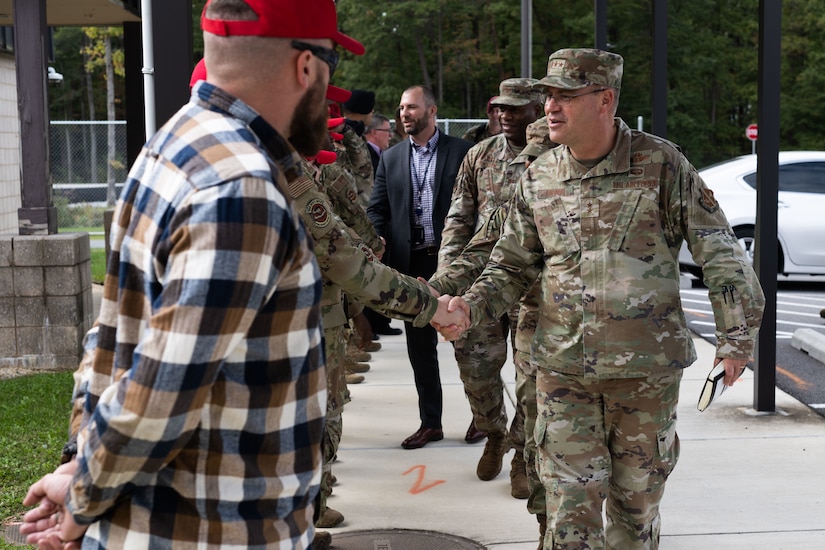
410	199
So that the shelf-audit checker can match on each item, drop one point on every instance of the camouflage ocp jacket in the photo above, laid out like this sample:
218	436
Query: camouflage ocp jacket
605	243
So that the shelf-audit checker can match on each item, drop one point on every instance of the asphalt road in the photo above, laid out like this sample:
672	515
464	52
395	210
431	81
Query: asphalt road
799	302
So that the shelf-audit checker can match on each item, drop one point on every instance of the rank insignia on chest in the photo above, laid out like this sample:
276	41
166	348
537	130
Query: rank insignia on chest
318	212
708	201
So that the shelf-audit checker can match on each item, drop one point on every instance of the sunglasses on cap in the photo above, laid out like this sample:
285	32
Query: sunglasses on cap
327	55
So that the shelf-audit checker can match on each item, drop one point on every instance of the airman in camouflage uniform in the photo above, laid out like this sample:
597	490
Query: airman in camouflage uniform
486	180
492	127
600	220
354	155
348	265
460	275
339	186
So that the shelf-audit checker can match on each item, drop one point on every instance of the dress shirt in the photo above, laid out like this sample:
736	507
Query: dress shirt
423	159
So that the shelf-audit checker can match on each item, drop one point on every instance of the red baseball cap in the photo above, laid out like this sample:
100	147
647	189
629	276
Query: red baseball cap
334	93
286	19
337	94
198	73
324	157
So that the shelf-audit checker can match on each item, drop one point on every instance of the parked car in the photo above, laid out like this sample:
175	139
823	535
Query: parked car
800	215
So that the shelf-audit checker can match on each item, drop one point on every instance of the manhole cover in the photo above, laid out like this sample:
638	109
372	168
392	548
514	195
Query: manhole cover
12	534
401	539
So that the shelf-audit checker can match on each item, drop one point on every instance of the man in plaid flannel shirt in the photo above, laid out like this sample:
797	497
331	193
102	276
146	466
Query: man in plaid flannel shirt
205	397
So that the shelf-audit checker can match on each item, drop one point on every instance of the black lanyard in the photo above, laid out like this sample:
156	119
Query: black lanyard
419	181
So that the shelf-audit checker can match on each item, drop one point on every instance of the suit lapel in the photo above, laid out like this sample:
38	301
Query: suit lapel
440	160
404	177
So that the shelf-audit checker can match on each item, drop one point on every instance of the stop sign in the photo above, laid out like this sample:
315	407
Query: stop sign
751	132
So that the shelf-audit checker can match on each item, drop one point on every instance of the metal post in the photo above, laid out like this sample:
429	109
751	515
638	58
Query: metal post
148	68
659	122
767	186
136	125
600	8
172	35
527	38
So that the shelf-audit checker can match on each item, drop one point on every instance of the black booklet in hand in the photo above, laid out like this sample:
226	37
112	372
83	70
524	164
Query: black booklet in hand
714	386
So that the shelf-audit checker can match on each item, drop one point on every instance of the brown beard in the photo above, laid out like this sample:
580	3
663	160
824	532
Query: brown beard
308	128
418	125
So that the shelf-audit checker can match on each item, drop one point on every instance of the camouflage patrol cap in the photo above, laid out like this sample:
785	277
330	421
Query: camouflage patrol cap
538	138
517	92
576	68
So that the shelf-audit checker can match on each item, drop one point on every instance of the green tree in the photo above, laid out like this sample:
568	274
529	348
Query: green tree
802	118
464	48
99	53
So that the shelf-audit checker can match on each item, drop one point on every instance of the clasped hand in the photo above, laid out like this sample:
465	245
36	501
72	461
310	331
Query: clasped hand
50	525
452	318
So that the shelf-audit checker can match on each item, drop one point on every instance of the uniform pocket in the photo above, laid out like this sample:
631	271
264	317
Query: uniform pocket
558	226
667	439
624	216
540	430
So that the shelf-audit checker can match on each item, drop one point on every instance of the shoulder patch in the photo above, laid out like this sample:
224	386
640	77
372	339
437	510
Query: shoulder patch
317	211
708	201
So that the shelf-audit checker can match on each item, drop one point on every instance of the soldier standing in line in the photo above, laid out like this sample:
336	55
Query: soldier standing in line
349	266
358	111
600	219
488	129
457	277
485	181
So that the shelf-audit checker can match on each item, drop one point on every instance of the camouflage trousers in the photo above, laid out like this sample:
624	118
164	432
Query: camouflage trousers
335	347
610	441
526	394
480	354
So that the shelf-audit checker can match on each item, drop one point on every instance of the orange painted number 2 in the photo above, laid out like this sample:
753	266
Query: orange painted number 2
419	486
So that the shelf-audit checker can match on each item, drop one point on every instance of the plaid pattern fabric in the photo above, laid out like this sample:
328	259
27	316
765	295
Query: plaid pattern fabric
205	403
422	174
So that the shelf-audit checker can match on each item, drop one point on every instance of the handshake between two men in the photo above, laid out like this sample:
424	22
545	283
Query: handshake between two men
452	318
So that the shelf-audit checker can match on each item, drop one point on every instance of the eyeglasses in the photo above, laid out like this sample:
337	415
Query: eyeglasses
565	99
327	55
381	130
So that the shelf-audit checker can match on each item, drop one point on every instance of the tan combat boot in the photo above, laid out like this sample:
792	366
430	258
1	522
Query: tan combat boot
354	366
322	540
518	476
331	518
353	378
489	465
356	354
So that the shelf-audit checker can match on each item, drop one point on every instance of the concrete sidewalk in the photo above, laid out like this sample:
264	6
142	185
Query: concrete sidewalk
744	480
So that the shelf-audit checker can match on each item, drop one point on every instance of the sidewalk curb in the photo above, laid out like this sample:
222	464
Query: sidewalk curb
809	341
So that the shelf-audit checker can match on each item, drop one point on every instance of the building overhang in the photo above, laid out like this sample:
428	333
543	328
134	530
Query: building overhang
86	13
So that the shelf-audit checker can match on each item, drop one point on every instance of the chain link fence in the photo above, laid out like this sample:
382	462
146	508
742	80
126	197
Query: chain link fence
88	166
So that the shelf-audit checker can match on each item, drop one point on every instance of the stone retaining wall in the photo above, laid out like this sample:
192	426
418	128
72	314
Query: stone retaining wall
46	302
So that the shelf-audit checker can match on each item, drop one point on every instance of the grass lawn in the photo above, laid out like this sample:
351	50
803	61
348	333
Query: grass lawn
90	230
98	265
34	422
